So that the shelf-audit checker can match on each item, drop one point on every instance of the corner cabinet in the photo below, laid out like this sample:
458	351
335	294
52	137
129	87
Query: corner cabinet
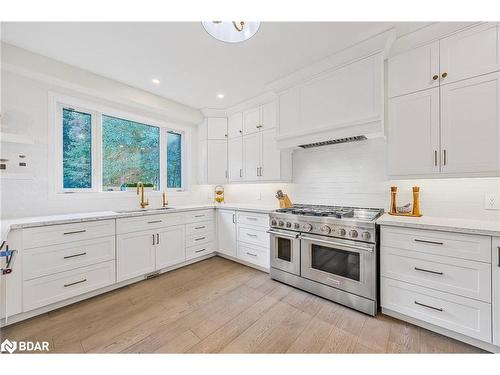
443	107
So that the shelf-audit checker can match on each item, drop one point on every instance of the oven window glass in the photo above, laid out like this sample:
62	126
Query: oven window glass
285	249
335	261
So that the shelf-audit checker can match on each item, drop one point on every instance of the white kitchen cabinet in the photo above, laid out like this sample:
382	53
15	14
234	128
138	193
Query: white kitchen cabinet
235	159
251	121
271	157
226	232
135	254
235	125
269	116
252	156
414	120
495	264
217	161
470	125
170	246
414	70
289	111
217	128
470	53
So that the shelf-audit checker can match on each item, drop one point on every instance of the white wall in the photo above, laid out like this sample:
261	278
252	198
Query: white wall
25	82
355	174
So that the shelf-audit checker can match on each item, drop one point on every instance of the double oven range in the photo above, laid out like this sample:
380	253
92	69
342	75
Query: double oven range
329	251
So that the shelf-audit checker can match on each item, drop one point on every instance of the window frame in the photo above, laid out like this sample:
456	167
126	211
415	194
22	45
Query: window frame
58	102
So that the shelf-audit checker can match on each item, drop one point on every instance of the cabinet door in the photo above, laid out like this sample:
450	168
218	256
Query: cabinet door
271	157
415	70
226	232
496	290
413	133
269	116
170	246
235	125
251	121
470	126
235	159
135	254
289	112
217	128
251	156
470	53
217	162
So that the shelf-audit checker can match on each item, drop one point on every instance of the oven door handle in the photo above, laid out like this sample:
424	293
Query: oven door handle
294	236
332	243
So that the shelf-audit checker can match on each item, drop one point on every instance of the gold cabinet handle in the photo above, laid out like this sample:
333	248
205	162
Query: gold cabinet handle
444	75
435	77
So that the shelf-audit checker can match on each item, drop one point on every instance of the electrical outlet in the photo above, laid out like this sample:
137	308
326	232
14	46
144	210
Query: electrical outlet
258	196
492	201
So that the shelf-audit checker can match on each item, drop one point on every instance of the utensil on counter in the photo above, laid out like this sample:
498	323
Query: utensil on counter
285	202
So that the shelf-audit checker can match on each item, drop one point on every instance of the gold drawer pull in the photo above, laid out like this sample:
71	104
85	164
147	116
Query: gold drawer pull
428	306
428	271
74	255
76	282
75	232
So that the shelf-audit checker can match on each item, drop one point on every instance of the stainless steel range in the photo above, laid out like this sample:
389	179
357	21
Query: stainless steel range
329	251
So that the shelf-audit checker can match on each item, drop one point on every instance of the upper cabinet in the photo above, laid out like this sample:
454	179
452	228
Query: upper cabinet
342	102
470	53
217	128
443	120
260	118
235	125
413	71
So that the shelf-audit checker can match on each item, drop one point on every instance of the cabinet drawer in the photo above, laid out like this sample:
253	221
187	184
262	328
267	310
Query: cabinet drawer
140	223
47	260
256	236
199	239
457	245
254	254
250	218
63	233
201	228
198	250
54	288
197	216
465	278
463	315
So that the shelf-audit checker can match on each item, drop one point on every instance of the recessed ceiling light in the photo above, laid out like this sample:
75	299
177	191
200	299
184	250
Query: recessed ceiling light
220	96
156	81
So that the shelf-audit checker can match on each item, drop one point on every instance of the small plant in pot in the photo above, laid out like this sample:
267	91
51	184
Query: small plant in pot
132	186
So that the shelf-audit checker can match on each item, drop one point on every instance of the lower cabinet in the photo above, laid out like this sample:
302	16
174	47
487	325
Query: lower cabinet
135	254
496	290
170	247
441	278
226	232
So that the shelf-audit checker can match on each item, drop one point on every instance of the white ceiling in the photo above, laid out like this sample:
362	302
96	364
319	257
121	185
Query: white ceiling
191	65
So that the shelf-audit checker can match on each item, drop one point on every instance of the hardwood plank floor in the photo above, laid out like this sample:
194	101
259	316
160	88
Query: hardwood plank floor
218	306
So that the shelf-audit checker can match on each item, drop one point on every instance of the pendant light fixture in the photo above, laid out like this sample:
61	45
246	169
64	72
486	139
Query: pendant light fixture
233	31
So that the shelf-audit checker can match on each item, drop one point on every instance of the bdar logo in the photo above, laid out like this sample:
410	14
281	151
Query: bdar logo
8	346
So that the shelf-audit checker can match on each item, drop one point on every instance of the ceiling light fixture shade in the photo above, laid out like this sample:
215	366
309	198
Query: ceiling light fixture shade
233	31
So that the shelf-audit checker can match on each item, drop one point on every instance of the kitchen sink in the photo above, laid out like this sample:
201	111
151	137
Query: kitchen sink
144	210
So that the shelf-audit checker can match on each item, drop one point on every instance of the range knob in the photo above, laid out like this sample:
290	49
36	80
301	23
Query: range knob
342	231
307	227
297	226
326	229
273	222
366	236
353	233
288	224
280	223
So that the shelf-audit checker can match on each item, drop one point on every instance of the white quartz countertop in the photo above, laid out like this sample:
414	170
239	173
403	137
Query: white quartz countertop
37	221
484	227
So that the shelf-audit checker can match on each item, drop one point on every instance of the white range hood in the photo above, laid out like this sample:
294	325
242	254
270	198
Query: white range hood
338	99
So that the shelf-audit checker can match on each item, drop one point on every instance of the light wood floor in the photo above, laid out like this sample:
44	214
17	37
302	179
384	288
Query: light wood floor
221	306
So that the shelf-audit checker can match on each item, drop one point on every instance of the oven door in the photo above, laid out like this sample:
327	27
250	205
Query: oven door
285	251
342	264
